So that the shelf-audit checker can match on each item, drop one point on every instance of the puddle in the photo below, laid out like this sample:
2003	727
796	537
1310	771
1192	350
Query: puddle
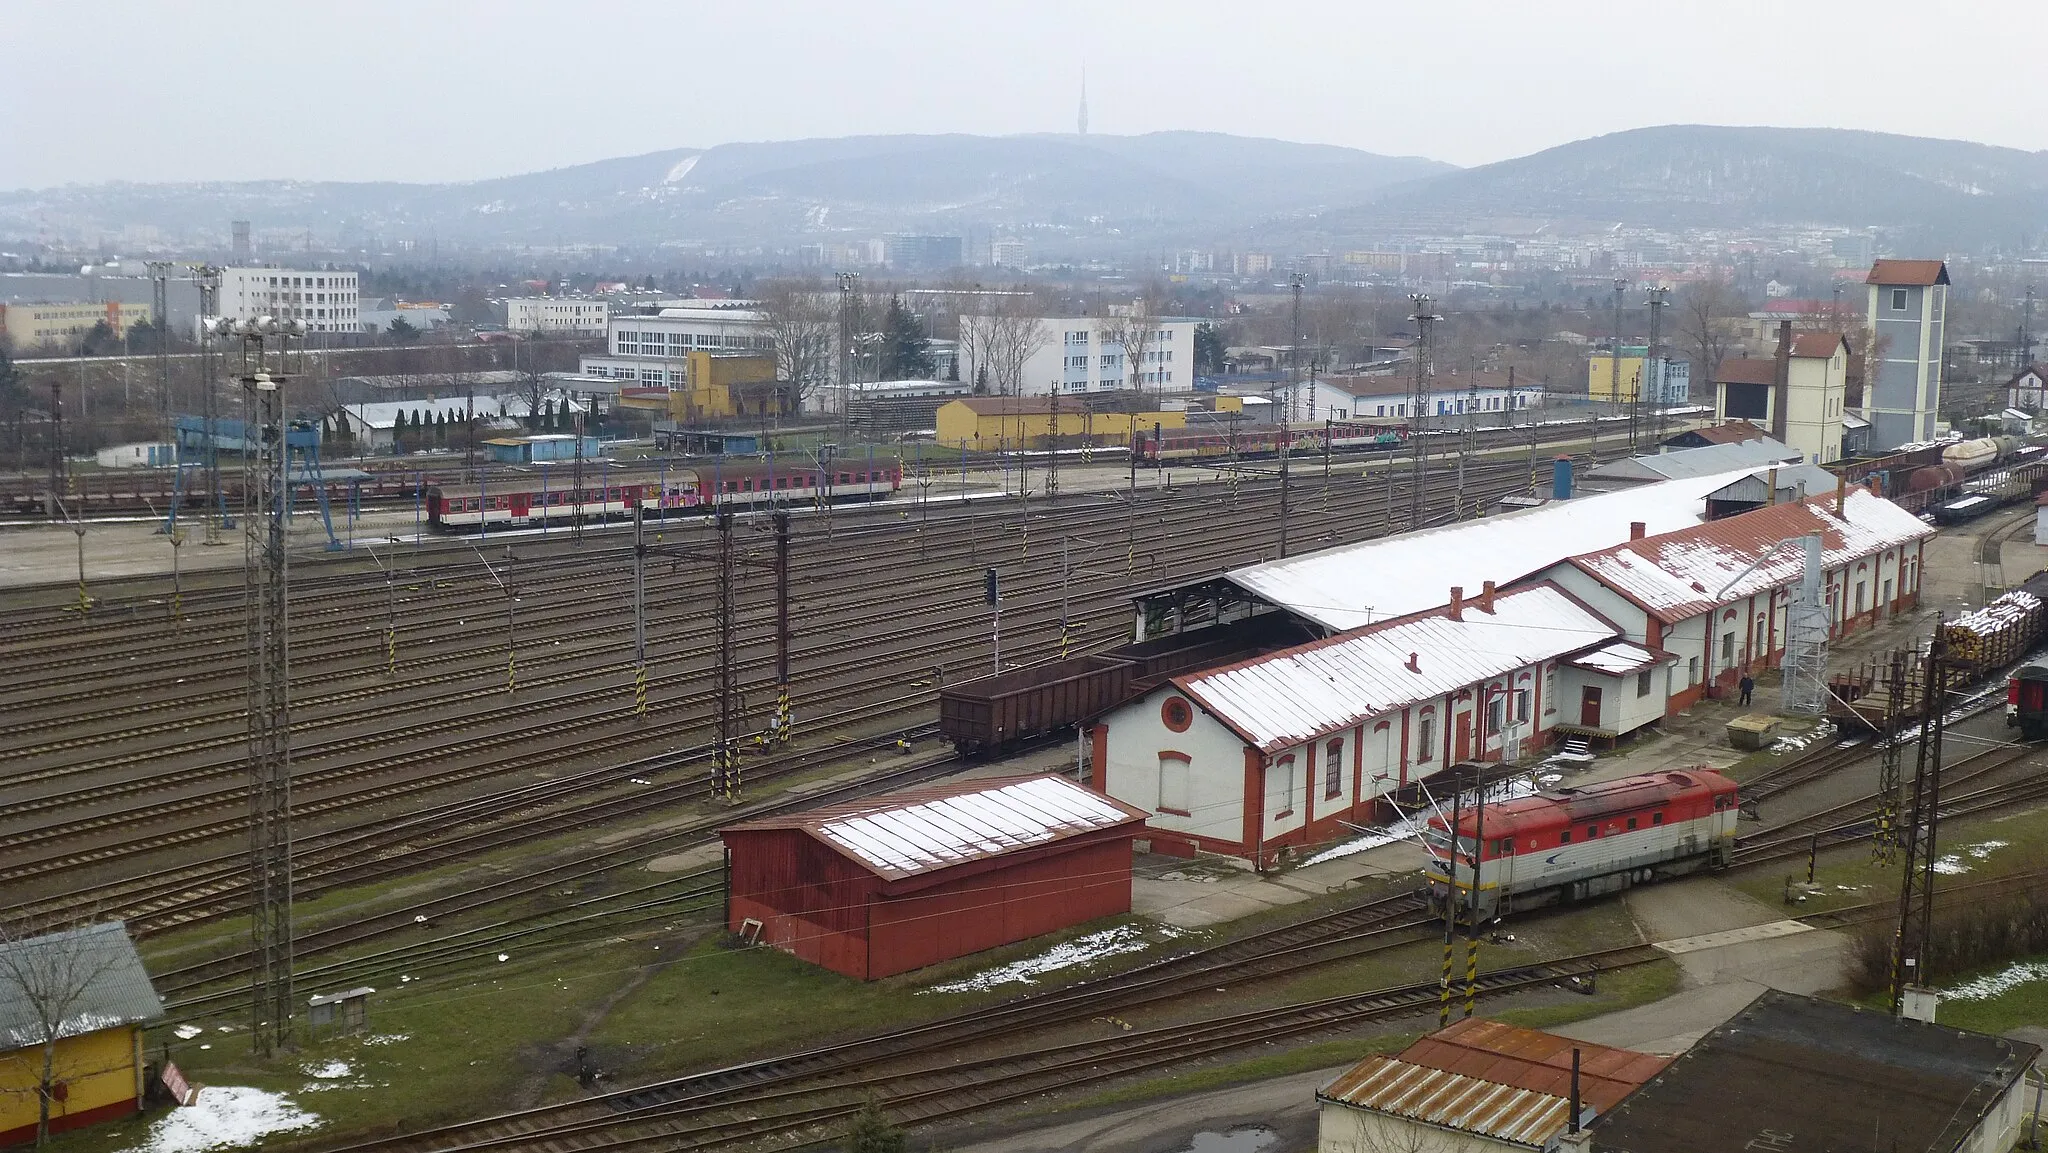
1250	1139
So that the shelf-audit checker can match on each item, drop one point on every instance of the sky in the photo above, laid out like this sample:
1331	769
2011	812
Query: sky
433	90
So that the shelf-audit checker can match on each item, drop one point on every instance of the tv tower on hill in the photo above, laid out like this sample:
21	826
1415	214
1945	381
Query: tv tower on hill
1081	121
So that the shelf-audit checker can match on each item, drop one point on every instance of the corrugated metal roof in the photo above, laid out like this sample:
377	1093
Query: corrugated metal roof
1683	463
1681	574
915	831
1532	1059
1451	1100
1290	696
74	982
1352	585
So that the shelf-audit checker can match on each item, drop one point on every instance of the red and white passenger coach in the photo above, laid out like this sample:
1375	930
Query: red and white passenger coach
540	497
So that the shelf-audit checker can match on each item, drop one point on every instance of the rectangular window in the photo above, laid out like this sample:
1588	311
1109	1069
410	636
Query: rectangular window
1565	838
1643	682
1631	824
1173	784
1286	767
1898	300
1592	831
1727	648
1425	739
1692	672
1656	818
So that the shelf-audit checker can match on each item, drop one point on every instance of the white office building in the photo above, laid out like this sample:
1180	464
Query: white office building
650	349
1082	354
557	316
326	301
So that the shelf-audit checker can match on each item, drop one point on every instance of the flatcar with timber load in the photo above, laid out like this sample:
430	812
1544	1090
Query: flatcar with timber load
1574	843
1170	445
544	497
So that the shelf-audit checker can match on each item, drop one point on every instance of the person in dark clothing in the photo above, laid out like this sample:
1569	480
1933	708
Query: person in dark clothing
1748	686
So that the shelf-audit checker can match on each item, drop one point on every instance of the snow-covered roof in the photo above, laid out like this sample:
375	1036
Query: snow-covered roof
1621	658
1297	694
70	983
384	413
1681	574
1688	462
1352	585
919	830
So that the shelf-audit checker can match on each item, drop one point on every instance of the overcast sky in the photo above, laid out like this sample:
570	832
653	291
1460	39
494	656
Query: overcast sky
446	90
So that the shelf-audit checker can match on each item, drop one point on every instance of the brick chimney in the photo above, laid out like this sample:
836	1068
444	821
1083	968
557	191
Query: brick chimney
1414	662
1486	598
1637	530
1457	612
1841	494
1781	382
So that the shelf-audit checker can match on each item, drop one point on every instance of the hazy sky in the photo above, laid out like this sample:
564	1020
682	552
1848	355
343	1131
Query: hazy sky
443	90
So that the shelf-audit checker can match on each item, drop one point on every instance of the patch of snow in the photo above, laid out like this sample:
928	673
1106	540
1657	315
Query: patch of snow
386	1038
1797	741
187	1032
681	169
1952	863
327	1071
1996	984
225	1116
1079	951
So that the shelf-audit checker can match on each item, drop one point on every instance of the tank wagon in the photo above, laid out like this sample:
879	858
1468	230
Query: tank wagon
1570	844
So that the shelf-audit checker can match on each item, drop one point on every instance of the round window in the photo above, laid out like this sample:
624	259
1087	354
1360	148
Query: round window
1177	715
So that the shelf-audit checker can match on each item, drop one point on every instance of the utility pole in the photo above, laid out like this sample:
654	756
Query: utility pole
1614	363
265	579
1418	420
1884	847
2026	349
1052	460
1451	903
160	313
849	284
56	499
576	525
992	592
726	779
1471	444
1915	930
1294	284
639	614
1286	436
785	720
207	278
1478	853
1659	301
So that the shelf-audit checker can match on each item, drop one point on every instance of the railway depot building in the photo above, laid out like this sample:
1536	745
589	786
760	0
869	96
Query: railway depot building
1283	750
1596	627
886	884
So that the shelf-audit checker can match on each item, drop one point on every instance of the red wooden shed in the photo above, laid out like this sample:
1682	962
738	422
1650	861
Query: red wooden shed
883	885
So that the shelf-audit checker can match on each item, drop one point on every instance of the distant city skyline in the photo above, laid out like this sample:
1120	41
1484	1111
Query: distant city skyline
375	91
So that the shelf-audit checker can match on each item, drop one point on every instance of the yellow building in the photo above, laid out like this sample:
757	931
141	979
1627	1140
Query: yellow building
79	998
998	422
721	385
1600	373
33	326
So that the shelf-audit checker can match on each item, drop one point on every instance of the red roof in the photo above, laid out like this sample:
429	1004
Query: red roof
1746	370
1554	808
1819	345
1527	1059
1733	432
1907	272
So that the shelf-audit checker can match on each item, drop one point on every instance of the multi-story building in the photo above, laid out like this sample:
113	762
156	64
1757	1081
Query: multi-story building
1660	379
1007	252
1908	299
1806	412
923	253
1486	394
652	349
30	327
1083	354
557	316
326	301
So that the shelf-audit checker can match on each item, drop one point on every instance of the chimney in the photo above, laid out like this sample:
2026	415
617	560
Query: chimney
1781	382
1841	494
1486	598
1573	1125
1414	662
1457	602
1771	487
1561	478
1637	530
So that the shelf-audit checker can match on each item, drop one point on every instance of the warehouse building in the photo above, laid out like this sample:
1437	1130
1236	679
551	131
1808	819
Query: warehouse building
1797	1073
1477	1085
880	886
1716	596
86	991
1287	749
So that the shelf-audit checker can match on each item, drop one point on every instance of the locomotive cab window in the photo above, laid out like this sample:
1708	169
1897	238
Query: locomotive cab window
1565	838
1656	819
1631	824
1722	801
1592	831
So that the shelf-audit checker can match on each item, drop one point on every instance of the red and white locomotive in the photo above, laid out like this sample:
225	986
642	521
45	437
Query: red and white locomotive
1574	843
532	499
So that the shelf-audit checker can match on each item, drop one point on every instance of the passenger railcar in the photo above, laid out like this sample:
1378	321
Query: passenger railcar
1166	446
1571	844
542	499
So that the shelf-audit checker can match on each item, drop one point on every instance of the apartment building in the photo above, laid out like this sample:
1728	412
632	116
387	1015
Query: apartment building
557	316
1083	354
325	300
1908	299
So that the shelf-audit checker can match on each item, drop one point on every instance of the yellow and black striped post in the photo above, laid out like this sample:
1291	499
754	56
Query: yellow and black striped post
1478	855
1471	966
783	721
390	651
511	674
1451	902
640	691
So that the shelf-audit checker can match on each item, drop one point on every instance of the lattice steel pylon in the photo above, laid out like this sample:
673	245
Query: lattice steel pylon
1884	847
1806	638
265	580
1418	423
1915	930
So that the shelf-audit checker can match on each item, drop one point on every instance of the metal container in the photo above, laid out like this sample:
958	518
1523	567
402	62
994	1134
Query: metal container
987	713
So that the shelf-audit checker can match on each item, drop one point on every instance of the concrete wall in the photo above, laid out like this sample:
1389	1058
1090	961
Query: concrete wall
1346	1129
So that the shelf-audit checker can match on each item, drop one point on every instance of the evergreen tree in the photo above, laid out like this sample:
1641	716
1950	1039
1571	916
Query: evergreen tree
906	349
440	430
872	1133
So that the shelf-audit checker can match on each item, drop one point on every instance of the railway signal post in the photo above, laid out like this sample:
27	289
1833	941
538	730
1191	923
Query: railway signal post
1443	1006
639	615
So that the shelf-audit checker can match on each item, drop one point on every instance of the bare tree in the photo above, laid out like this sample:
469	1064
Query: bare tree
1706	304
51	985
1000	341
803	326
1136	332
